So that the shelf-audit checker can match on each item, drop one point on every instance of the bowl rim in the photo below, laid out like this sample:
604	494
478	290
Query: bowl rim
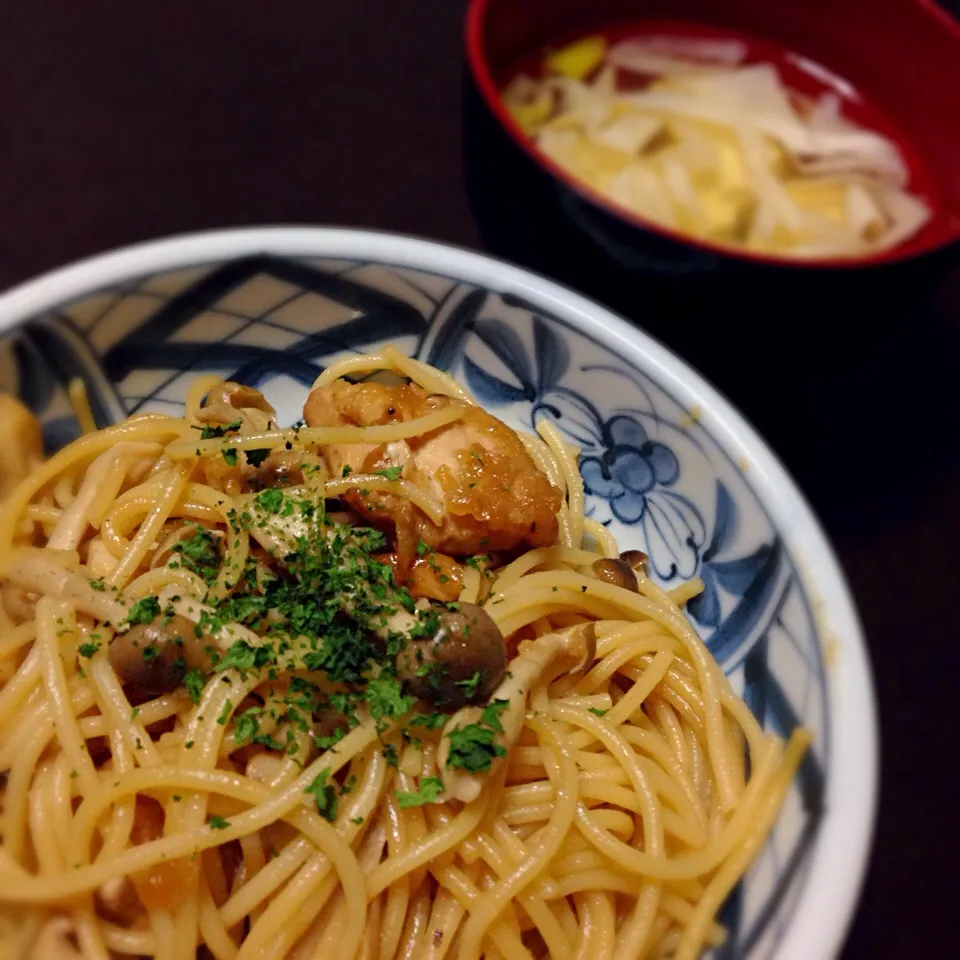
841	851
905	251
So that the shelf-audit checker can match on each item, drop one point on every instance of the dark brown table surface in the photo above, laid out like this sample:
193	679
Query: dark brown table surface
120	122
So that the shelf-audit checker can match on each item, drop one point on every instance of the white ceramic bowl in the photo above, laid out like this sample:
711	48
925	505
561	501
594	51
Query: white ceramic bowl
668	463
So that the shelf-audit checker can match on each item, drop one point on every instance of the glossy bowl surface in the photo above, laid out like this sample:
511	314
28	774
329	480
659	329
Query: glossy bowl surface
666	461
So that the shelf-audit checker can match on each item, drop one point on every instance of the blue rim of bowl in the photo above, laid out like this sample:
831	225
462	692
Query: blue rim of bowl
840	854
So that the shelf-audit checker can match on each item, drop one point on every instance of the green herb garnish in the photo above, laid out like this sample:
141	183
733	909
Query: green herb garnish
211	433
325	795
144	611
193	681
491	714
256	457
470	686
432	721
473	748
430	790
391	473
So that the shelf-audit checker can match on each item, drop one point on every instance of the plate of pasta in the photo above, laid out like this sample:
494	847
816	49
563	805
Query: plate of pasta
364	595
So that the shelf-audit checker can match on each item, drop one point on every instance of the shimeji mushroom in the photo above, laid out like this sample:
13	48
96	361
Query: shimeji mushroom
572	649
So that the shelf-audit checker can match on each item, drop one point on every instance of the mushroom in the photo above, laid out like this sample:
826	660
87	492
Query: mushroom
573	649
634	558
282	468
616	571
238	396
151	659
231	401
462	663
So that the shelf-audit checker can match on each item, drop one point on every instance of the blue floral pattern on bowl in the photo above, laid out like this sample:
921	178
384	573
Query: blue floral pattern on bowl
652	473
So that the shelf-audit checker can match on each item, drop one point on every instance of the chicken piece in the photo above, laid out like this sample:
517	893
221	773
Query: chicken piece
494	496
434	575
22	448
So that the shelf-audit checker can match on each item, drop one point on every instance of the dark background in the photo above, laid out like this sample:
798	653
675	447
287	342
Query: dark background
120	122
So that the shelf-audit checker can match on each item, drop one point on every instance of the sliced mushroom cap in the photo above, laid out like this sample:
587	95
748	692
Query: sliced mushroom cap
282	468
462	663
635	558
239	397
616	571
151	659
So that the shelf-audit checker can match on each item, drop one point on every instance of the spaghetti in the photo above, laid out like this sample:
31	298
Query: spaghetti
370	684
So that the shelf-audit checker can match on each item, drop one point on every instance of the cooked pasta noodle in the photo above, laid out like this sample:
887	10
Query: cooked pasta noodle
373	684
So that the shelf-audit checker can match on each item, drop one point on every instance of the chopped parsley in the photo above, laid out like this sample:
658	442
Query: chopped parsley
240	656
328	609
270	500
391	473
385	699
225	713
218	823
199	554
473	748
432	721
97	584
144	611
245	727
193	681
430	790
265	740
256	457
470	686
88	649
491	714
596	711
230	457
325	743
211	433
325	795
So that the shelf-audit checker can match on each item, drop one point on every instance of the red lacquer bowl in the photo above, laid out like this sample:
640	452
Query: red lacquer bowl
895	63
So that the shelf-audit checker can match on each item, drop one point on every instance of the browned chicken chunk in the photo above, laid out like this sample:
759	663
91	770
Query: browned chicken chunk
494	496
